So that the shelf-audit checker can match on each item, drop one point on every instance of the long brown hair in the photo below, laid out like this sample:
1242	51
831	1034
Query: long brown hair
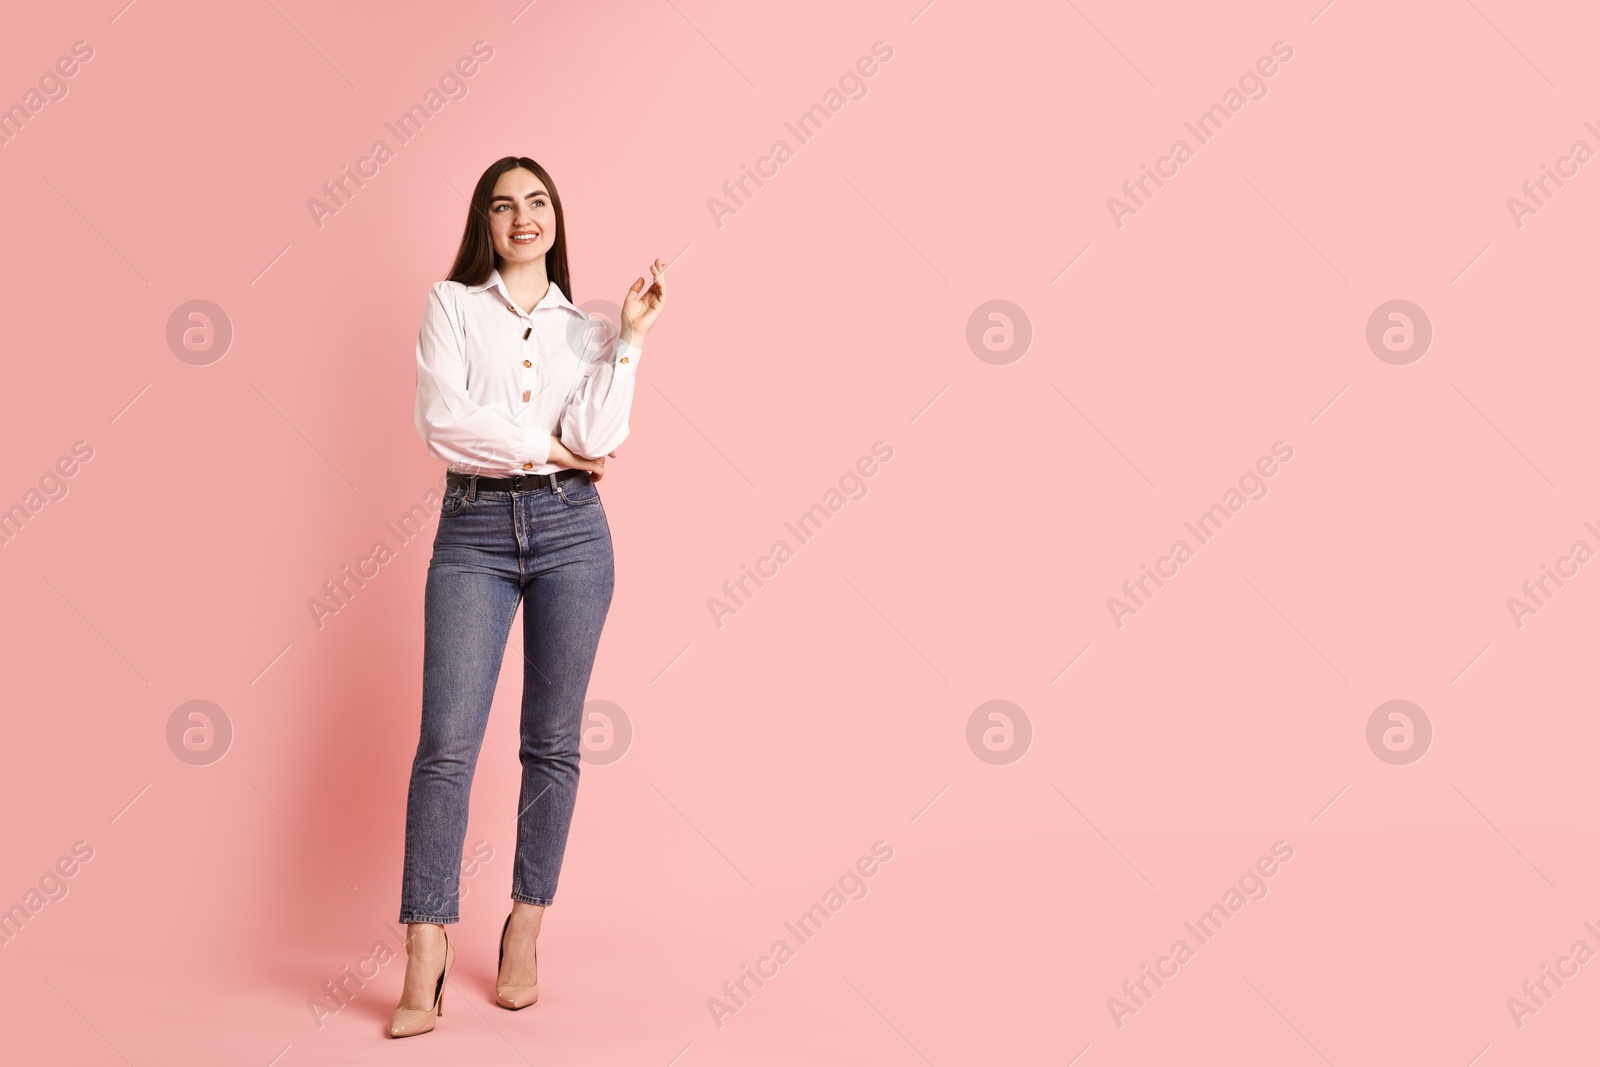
476	258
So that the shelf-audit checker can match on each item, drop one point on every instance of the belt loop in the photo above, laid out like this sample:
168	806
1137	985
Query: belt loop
553	484
472	488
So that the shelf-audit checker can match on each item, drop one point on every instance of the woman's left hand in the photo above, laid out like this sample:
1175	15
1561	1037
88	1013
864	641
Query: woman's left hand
641	306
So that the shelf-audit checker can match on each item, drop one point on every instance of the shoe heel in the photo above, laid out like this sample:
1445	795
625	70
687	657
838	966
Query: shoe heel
444	975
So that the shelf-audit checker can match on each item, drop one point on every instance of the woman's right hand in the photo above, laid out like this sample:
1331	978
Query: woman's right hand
563	456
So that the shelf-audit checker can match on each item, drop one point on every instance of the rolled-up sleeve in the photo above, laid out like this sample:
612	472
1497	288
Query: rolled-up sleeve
456	428
595	421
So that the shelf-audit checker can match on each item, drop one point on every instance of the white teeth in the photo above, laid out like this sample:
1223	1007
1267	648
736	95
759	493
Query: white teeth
525	237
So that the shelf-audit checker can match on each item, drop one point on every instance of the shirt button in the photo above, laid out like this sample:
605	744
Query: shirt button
623	360
527	363
527	395
527	466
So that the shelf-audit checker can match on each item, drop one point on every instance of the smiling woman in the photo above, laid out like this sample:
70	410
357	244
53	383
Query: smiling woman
525	425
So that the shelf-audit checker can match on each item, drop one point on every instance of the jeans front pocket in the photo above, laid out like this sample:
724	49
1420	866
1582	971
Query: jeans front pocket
579	492
454	502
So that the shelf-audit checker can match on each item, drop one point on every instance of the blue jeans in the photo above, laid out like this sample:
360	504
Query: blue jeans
549	550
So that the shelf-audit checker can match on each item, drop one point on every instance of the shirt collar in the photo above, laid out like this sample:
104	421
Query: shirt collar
554	298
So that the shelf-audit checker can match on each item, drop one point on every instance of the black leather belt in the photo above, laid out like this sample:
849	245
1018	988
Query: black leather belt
521	483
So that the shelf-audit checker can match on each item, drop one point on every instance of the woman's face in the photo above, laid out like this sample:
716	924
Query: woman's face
521	217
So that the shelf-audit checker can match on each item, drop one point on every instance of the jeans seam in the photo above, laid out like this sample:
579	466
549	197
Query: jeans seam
516	862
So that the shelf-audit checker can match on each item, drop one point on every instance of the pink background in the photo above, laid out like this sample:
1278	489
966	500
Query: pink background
832	711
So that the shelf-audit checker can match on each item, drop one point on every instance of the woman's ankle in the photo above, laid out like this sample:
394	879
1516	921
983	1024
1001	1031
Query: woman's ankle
424	935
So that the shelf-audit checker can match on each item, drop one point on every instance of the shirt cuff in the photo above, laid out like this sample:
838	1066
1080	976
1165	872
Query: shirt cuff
537	443
628	353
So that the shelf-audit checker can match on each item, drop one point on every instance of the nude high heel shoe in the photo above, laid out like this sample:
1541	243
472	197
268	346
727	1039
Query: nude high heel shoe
408	1022
515	996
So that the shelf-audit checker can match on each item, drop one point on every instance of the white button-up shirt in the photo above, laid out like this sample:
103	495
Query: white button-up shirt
494	381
